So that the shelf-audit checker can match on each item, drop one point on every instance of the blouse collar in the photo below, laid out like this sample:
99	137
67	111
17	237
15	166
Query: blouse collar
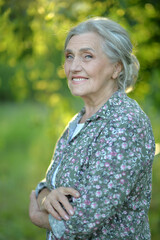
104	112
113	102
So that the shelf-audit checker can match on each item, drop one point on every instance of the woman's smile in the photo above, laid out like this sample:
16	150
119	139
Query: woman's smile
79	79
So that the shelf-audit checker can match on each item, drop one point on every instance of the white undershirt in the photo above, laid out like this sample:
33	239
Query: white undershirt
76	131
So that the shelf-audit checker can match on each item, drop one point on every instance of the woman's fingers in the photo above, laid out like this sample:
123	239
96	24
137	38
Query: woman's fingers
53	204
57	204
65	203
60	210
50	209
69	191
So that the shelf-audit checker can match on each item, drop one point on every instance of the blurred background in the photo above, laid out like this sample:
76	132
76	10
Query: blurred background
35	103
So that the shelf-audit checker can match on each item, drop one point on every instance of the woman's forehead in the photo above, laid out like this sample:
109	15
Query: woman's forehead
86	41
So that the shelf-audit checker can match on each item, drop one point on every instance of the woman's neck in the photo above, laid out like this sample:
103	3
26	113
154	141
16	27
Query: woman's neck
93	105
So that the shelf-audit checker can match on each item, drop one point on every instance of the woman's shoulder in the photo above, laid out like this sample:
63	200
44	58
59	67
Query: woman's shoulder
129	111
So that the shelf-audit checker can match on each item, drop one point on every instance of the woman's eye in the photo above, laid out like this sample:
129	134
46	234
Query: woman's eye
69	56
88	56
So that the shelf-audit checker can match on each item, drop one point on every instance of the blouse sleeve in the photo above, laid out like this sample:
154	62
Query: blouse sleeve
40	186
44	183
121	156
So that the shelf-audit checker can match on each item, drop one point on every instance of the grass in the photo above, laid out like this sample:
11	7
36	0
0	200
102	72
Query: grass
26	150
27	141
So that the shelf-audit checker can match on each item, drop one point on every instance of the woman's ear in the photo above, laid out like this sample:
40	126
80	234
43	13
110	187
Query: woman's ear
117	69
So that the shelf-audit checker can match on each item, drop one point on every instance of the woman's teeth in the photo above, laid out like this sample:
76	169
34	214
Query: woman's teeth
79	79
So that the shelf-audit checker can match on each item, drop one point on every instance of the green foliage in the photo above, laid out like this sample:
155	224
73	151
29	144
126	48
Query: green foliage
23	155
32	36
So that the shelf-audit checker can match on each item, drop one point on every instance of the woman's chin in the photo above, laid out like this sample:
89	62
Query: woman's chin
77	93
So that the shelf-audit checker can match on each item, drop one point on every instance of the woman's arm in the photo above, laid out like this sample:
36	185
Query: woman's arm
41	196
37	216
39	208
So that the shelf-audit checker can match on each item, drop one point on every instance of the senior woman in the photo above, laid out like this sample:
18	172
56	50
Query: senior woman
98	185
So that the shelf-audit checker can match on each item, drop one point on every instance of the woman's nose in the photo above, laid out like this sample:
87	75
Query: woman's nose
76	65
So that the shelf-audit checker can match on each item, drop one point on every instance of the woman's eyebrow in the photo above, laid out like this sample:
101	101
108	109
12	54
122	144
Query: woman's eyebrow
87	49
81	50
68	51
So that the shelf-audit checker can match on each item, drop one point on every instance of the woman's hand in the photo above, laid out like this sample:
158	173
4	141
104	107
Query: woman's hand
38	217
57	204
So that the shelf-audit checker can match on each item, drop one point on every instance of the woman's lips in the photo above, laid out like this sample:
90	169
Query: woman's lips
79	79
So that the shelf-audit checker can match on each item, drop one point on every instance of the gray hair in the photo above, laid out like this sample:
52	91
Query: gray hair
116	44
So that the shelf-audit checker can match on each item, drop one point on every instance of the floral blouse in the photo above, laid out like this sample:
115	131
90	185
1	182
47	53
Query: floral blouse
110	163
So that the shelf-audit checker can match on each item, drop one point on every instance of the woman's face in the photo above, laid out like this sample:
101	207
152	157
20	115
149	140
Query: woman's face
90	73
